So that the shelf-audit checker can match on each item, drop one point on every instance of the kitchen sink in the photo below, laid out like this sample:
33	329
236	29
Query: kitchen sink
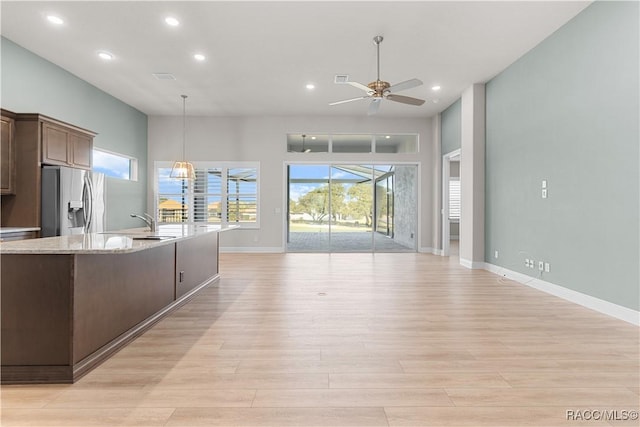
141	235
152	237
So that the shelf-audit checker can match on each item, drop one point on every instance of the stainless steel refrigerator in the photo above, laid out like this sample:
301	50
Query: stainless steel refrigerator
73	201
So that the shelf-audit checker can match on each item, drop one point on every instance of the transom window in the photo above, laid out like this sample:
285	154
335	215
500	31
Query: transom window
115	165
222	193
352	143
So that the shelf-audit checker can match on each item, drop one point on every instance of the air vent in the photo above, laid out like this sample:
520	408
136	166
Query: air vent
341	78
164	76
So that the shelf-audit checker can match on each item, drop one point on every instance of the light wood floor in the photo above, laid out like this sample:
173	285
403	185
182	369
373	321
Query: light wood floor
354	340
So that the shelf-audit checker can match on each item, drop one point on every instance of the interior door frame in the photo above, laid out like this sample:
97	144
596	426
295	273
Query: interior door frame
446	177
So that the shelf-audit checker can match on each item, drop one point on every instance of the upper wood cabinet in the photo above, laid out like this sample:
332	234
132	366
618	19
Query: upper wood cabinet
7	154
62	145
38	140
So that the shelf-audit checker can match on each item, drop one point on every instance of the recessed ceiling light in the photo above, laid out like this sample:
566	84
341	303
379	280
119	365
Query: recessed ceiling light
199	57
105	55
170	20
435	88
55	19
388	137
311	86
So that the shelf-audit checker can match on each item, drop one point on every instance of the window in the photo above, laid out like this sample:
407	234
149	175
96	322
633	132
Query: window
352	143
115	165
454	199
220	194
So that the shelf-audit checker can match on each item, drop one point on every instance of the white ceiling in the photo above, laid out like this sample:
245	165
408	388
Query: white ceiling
260	55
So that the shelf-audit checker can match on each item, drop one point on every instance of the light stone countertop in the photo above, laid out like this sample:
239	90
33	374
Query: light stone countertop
112	242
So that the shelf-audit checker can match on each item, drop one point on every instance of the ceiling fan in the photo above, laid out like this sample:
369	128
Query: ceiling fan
379	90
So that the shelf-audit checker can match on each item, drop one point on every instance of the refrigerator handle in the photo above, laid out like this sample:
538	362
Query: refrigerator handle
88	203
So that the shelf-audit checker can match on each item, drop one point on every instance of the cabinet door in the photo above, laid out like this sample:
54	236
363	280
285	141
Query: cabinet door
55	145
82	147
196	262
7	156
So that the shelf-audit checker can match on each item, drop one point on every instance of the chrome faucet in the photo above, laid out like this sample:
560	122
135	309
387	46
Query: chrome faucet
148	219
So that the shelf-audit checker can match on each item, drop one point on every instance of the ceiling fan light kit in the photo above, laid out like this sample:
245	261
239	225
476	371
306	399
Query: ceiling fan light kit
304	150
379	89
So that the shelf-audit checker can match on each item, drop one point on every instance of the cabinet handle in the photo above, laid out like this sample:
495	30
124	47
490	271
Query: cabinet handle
181	276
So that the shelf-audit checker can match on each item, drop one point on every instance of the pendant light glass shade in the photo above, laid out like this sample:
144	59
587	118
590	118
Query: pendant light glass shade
182	169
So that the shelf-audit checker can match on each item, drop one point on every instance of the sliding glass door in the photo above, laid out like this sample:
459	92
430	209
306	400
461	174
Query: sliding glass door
309	205
351	208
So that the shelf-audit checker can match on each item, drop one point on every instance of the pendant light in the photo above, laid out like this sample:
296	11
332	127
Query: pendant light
182	169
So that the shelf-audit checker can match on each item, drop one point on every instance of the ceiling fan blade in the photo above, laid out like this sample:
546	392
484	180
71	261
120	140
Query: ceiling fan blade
405	99
361	86
348	100
374	106
405	85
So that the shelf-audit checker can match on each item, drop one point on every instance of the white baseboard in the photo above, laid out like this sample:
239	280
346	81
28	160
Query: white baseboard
474	265
593	303
251	250
428	250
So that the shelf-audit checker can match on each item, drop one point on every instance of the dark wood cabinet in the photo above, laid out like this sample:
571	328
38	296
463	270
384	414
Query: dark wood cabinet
195	260
66	146
81	151
41	140
64	314
7	154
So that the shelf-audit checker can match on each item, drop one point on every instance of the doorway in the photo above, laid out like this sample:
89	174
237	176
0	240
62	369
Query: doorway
450	203
351	208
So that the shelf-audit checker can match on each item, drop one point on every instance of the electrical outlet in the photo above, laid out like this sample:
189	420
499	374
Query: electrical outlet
546	267
544	193
496	255
540	265
526	262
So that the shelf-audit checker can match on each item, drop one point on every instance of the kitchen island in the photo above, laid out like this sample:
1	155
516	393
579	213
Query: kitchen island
70	302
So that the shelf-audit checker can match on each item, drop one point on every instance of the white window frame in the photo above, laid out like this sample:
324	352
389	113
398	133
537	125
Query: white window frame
224	197
133	164
373	137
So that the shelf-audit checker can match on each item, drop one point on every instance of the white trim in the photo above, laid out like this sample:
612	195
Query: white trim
224	195
429	250
446	172
251	249
605	307
474	265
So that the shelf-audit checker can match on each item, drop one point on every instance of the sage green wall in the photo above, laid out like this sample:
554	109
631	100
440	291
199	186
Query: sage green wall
567	112
451	127
31	84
